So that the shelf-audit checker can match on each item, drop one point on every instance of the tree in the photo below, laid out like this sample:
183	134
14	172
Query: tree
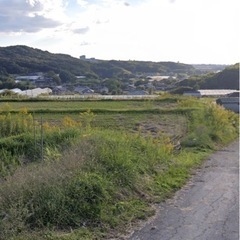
55	77
113	85
67	77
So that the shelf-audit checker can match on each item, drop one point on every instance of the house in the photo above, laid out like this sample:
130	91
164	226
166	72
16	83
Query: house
81	77
60	90
158	78
230	103
28	78
234	94
93	60
83	90
216	92
38	79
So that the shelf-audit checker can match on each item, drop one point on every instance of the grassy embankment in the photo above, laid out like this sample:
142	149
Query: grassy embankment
102	169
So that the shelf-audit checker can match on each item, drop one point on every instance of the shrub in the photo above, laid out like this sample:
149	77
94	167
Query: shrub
8	162
86	118
14	124
221	122
199	137
210	125
69	122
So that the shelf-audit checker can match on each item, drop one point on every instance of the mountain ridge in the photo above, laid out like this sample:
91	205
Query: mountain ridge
24	59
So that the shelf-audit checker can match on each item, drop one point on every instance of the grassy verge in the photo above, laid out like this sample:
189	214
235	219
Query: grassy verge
94	182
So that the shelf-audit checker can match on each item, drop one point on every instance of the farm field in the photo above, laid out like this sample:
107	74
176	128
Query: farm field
117	115
89	169
89	104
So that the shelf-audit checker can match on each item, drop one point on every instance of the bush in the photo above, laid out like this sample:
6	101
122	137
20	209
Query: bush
15	124
200	138
75	202
209	126
9	162
54	195
223	123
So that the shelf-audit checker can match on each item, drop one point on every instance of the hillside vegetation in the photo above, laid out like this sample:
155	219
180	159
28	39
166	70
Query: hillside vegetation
24	60
225	79
90	170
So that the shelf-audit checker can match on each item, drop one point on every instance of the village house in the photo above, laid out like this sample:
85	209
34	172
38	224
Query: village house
83	90
230	103
60	90
38	79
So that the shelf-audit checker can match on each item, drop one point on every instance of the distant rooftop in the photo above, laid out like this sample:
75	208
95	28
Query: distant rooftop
216	92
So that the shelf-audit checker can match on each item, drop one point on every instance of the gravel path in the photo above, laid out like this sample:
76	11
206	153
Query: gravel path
207	208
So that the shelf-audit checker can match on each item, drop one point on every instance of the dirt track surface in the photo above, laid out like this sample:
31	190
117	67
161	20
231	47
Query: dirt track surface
207	208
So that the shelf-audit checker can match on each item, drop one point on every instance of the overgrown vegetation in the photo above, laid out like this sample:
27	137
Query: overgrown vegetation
91	182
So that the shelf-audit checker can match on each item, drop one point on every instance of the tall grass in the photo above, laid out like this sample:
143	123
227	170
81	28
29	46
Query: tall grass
211	125
14	124
99	182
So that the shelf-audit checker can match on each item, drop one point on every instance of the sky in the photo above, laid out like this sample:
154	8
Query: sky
186	31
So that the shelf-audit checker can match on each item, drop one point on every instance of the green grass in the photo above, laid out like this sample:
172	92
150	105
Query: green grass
78	105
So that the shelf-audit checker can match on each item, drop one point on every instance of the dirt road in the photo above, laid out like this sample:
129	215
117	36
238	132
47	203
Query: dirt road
207	208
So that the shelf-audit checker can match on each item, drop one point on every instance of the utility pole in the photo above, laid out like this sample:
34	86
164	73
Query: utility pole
41	138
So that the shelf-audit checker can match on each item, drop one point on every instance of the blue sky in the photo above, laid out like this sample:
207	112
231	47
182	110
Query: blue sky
188	31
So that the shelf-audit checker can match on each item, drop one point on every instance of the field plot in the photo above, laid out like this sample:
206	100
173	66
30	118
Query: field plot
69	105
134	116
152	124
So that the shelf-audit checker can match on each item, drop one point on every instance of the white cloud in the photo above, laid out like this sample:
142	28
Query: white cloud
81	30
30	15
82	3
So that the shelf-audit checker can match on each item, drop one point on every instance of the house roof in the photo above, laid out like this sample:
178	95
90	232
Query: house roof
27	77
234	94
228	100
216	92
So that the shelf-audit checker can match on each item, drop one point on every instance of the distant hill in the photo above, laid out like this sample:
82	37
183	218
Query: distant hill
225	79
24	60
205	68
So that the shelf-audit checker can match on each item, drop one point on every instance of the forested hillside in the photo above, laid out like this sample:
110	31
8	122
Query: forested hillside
24	60
226	79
